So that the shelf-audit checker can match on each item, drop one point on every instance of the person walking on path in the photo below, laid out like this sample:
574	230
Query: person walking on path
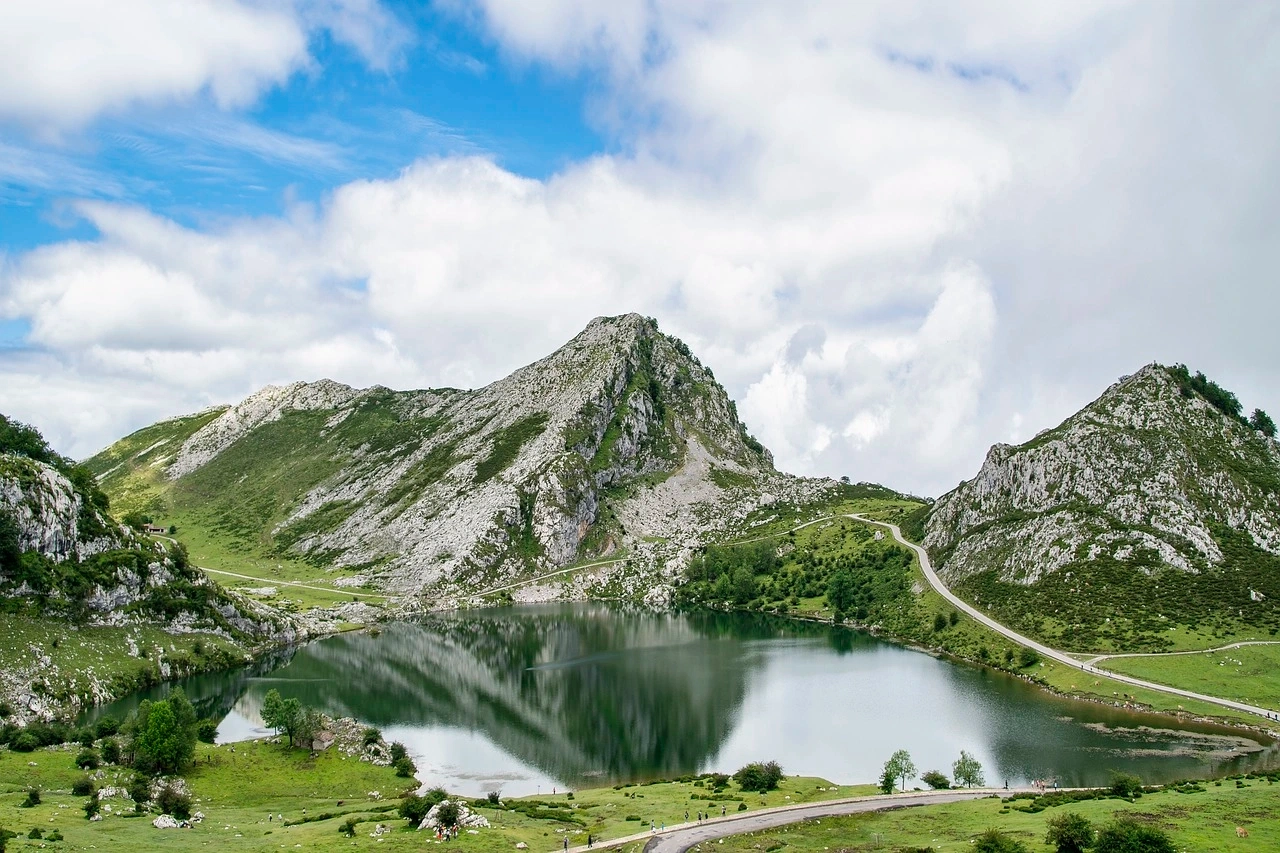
566	842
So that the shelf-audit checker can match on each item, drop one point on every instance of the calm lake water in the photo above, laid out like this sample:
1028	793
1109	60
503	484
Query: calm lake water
524	699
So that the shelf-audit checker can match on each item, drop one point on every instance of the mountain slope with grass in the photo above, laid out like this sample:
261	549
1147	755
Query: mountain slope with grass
66	564
620	446
1148	519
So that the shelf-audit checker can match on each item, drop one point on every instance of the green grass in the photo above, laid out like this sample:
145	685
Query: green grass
1203	821
1248	674
507	444
236	787
85	659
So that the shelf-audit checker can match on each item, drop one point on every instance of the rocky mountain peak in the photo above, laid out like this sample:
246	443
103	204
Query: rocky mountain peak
619	441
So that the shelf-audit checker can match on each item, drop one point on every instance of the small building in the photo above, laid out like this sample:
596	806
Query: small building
154	529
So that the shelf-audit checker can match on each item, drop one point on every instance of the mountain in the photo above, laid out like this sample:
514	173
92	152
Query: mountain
62	554
619	444
1155	507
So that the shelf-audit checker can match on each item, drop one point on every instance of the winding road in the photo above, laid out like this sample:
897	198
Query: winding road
677	839
1053	654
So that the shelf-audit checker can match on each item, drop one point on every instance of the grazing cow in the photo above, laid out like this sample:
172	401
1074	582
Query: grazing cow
1241	832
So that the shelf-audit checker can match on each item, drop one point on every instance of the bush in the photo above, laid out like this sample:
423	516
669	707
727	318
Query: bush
995	841
56	835
1069	833
494	798
448	813
32	800
435	795
110	751
1126	835
82	787
936	779
887	782
404	767
6	710
86	738
1028	657
414	808
759	776
397	750
348	828
24	742
171	801
35	834
371	736
88	759
91	808
139	791
207	731
742	807
1125	785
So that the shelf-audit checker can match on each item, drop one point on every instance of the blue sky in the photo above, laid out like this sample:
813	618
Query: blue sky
898	230
448	90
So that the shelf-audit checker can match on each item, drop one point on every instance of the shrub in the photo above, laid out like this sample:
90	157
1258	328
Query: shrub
91	808
207	731
139	791
1126	835
171	801
447	813
82	787
56	835
32	800
936	779
414	808
759	776
371	736
111	751
742	807
6	710
1069	833
88	759
1125	785
404	767
348	828
494	798
995	841
887	782
1028	657
398	751
435	795
35	833
86	738
24	742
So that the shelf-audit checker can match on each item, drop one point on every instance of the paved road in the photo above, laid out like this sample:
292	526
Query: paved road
1100	658
680	838
1053	654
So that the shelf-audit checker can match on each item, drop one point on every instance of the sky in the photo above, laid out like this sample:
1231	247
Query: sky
898	232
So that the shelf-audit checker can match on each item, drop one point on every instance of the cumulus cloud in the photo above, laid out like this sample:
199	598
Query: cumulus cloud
63	62
897	232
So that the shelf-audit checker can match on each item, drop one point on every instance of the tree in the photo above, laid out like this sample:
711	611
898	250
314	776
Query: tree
164	735
900	766
1126	835
1262	422
447	813
1069	833
995	841
207	731
759	776
936	779
967	770
289	718
1125	785
886	781
841	591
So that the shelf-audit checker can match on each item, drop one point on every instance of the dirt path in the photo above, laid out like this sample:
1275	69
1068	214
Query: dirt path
274	582
1095	660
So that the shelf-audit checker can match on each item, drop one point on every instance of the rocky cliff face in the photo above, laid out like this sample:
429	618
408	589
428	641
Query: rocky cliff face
620	442
1150	477
62	554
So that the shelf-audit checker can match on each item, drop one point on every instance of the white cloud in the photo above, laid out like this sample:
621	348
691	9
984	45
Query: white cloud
63	62
896	232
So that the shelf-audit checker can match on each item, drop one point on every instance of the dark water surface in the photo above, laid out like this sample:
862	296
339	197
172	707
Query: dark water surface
521	699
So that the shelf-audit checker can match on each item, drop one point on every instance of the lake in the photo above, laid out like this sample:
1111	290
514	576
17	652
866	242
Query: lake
524	699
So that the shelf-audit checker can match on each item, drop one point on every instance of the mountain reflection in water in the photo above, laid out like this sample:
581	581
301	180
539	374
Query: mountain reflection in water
523	698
